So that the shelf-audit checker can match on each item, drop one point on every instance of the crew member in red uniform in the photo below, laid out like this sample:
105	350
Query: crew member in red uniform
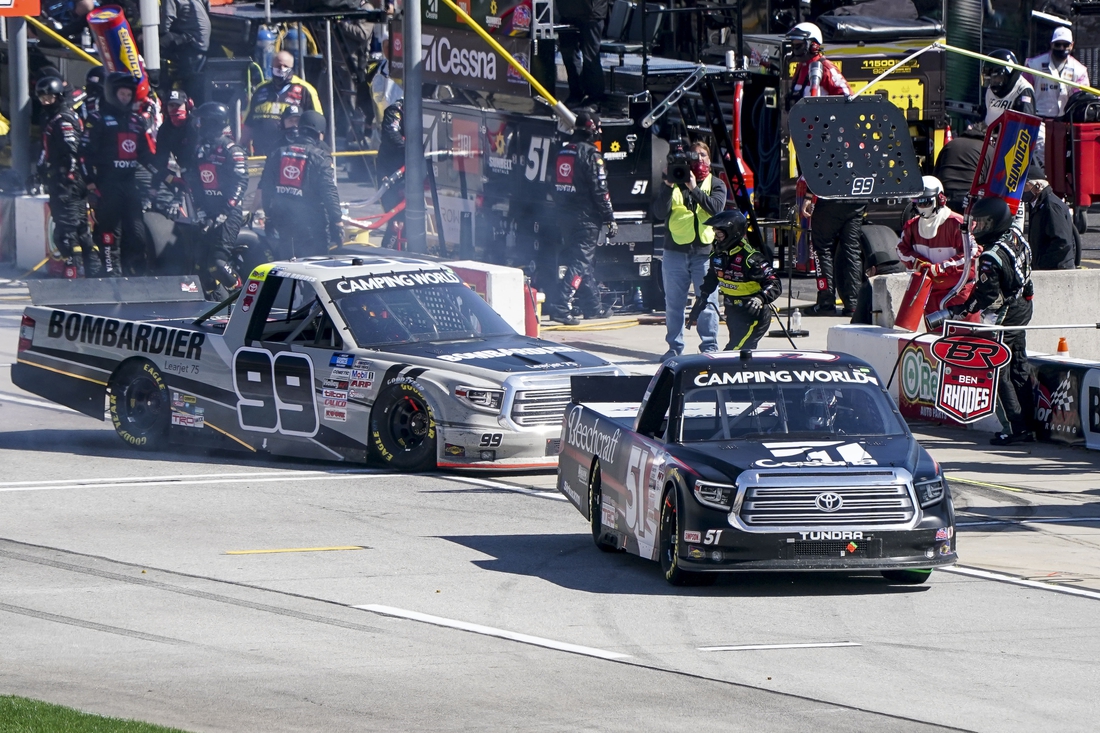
816	76
933	241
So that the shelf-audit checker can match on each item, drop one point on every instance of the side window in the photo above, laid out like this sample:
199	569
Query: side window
317	331
654	419
288	311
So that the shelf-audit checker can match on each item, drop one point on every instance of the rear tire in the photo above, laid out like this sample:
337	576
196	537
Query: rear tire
669	537
595	508
907	577
403	430
139	405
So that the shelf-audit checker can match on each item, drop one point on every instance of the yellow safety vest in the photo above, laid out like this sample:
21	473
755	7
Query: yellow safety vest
732	288
683	223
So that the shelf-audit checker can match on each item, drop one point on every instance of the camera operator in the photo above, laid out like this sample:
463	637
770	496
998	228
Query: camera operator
580	192
690	196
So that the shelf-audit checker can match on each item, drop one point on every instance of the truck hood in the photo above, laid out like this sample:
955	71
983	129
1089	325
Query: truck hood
505	354
729	458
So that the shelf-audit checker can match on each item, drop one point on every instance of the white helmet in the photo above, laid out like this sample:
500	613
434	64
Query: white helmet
806	40
931	198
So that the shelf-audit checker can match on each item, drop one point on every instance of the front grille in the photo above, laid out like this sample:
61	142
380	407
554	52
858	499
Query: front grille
799	501
540	406
829	548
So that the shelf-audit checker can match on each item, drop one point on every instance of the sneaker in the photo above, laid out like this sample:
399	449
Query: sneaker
670	354
568	319
821	310
848	312
601	312
1024	436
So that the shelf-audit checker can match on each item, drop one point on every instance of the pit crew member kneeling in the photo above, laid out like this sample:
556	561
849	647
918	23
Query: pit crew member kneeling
933	242
746	279
1002	295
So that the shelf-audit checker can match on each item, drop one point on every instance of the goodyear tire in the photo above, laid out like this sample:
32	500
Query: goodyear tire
907	577
139	405
595	508
669	537
403	428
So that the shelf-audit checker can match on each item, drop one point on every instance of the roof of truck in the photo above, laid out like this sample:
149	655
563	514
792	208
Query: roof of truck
324	269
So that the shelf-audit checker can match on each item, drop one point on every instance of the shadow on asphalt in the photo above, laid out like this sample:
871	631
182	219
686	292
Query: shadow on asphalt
571	561
1068	515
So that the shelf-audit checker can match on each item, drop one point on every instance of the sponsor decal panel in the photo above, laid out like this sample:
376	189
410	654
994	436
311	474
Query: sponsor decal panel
784	376
592	438
816	453
968	375
368	283
127	336
341	360
1059	388
693	536
334	414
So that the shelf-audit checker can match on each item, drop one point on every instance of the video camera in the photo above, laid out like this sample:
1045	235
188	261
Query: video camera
680	161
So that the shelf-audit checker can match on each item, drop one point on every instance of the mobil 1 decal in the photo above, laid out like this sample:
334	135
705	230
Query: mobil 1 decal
968	374
274	392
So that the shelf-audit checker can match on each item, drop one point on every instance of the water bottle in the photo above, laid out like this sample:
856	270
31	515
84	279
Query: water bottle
796	321
290	41
265	49
639	303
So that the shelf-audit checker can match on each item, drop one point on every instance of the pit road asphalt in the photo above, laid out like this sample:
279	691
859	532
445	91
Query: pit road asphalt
143	585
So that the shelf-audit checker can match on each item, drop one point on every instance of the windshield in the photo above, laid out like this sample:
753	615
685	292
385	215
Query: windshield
408	315
801	410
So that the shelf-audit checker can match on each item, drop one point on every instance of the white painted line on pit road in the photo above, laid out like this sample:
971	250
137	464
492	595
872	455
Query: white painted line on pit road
1004	578
5	397
762	647
191	481
506	487
1058	520
490	631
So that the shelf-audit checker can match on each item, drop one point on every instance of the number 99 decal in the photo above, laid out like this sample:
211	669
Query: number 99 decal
274	395
863	186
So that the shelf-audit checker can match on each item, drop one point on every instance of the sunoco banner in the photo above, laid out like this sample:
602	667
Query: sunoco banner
462	58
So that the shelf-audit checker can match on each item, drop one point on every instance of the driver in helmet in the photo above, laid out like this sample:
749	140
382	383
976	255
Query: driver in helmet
745	278
933	242
816	76
819	406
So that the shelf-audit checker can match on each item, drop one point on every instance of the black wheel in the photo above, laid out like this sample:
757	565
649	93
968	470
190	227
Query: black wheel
403	428
670	542
907	577
139	405
595	508
1081	219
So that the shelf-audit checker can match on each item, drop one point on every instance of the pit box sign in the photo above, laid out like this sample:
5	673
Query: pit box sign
1066	399
919	381
967	389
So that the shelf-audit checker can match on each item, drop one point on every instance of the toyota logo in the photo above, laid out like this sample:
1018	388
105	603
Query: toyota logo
564	170
129	146
292	172
829	501
207	176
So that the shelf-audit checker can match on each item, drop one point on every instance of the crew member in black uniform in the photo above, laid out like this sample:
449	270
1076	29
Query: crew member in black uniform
391	158
176	137
1003	295
59	168
288	121
218	179
93	92
581	195
299	194
115	142
745	278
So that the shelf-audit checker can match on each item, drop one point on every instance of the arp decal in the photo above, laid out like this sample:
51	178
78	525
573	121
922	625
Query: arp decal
275	394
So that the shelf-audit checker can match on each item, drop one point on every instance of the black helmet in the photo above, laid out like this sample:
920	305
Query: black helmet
586	126
212	119
312	123
731	223
94	77
989	220
50	85
998	77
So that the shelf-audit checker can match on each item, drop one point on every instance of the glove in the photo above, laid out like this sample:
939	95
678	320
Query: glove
696	311
612	229
217	221
754	305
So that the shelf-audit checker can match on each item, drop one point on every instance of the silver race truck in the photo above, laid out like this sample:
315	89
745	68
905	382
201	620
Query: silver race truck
343	358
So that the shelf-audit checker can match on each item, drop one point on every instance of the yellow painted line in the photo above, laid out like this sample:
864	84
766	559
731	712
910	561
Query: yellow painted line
61	371
1094	262
981	483
15	297
228	435
294	549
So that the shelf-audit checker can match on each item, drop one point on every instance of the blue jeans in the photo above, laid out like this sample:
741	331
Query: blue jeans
682	269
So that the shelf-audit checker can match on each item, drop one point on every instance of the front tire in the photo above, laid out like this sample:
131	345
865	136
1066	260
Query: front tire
907	577
669	537
139	405
403	430
595	508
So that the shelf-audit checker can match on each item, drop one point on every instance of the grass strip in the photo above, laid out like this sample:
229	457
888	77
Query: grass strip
23	715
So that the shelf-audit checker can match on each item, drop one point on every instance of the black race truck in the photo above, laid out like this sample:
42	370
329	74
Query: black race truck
755	461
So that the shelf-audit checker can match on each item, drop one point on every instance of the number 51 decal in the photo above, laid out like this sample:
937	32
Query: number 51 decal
274	395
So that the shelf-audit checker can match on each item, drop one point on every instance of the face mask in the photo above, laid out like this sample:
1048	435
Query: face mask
282	73
1059	54
926	212
177	115
700	169
1028	197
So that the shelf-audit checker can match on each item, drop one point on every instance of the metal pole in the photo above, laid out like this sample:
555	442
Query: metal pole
331	98
414	131
20	107
150	33
267	12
